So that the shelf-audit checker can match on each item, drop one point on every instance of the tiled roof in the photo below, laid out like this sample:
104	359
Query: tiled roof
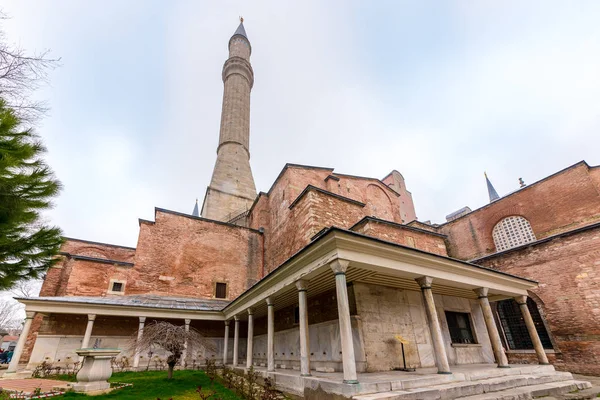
148	301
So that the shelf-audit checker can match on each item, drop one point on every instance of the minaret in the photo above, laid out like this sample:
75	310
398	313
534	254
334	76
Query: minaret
491	191
232	190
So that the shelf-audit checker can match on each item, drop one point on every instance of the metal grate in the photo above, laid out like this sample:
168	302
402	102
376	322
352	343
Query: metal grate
514	326
459	325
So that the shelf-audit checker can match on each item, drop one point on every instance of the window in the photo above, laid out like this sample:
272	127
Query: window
221	290
459	325
512	232
514	327
117	287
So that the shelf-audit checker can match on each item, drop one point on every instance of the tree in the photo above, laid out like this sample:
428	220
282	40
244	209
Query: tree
173	338
20	75
28	247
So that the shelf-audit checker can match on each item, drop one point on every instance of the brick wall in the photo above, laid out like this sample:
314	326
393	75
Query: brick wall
179	255
403	235
61	280
562	202
568	269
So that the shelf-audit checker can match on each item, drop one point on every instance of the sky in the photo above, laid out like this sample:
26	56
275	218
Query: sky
440	91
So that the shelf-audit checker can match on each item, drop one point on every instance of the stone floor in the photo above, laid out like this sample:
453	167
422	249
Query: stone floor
465	380
29	385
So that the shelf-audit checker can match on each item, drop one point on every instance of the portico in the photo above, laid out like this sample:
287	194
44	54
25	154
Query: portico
434	290
336	307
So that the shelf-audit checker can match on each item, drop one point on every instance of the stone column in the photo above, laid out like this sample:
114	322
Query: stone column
136	358
535	338
236	339
434	326
302	287
185	345
270	335
14	363
339	268
490	324
226	343
88	331
250	339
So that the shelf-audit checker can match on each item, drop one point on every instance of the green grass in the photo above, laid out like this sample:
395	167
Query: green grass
154	384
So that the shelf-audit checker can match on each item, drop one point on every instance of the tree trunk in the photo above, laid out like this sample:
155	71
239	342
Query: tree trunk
171	367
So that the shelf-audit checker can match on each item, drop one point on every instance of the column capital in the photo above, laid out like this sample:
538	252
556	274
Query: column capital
270	302
339	266
226	322
521	300
188	321
236	318
91	317
481	292
250	311
29	314
302	285
142	320
424	282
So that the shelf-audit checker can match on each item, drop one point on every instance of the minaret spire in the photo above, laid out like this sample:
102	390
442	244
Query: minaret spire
196	213
232	190
491	191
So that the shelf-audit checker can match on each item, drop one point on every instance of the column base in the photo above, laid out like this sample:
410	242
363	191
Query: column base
503	366
351	381
545	363
444	373
305	375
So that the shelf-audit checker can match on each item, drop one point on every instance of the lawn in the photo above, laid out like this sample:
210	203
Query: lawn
154	384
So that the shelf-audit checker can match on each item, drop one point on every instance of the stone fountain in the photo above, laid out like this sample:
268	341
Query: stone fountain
93	376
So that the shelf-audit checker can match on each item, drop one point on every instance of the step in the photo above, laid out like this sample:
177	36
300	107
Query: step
468	388
531	392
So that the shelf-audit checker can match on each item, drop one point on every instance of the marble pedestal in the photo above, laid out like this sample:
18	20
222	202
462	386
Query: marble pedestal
96	370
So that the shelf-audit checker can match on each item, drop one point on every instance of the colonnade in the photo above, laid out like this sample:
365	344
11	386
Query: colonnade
338	268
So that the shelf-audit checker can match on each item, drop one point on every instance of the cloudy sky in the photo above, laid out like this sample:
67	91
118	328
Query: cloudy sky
440	91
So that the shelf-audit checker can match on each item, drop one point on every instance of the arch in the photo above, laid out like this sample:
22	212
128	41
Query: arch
514	328
379	203
511	232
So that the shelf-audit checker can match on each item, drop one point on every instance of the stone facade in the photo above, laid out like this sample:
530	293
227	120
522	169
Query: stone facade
232	188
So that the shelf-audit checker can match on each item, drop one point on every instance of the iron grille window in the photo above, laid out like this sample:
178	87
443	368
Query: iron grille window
221	290
459	325
514	326
117	287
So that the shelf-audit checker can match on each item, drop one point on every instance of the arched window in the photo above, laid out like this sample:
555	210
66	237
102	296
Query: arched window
512	232
514	326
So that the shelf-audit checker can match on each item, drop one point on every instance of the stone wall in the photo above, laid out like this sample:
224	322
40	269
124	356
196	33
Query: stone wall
385	312
568	269
564	201
325	347
481	352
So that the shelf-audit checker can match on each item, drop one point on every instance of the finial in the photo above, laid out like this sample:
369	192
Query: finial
241	19
522	183
485	173
196	200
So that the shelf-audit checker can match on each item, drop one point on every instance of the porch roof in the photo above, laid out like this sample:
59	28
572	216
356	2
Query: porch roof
372	261
135	305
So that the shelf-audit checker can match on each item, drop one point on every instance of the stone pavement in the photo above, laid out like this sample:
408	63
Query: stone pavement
29	385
